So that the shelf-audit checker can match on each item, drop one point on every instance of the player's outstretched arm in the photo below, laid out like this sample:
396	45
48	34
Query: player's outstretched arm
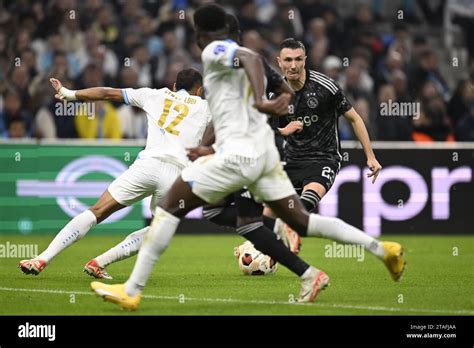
253	66
88	94
209	137
361	133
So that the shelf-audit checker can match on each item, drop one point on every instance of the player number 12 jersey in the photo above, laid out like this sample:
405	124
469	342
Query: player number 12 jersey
176	121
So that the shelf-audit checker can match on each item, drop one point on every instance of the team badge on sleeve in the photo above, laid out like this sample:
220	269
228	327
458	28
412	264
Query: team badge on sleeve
219	49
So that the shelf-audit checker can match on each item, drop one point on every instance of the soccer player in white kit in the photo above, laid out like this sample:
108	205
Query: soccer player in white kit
246	155
176	120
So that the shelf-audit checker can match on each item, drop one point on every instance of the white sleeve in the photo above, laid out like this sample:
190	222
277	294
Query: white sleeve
136	97
221	52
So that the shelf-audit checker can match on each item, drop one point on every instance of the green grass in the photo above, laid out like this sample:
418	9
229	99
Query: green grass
204	270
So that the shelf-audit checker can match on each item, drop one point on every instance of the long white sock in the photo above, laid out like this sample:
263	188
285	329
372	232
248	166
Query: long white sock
125	249
340	231
156	241
72	232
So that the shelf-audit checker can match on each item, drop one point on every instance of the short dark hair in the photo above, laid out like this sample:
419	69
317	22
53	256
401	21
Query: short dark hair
232	24
188	78
210	17
292	43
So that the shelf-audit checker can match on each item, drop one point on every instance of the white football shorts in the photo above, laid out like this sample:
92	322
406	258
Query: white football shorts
216	176
145	177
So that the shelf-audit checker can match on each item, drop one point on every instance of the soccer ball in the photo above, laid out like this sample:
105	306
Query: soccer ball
253	262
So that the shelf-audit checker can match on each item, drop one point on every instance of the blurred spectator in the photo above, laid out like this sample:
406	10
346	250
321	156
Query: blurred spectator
105	26
352	83
89	12
94	52
428	70
465	126
399	82
71	34
288	17
131	13
391	127
145	67
16	129
346	131
310	9
145	43
318	43
175	17
362	31
433	123
133	120
393	62
28	60
246	16
461	102
332	67
49	121
400	41
20	79
153	42
316	34
55	45
253	40
13	112
103	124
361	58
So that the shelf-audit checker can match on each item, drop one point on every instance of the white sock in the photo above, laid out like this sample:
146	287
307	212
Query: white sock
279	223
307	273
125	249
156	241
340	231
72	232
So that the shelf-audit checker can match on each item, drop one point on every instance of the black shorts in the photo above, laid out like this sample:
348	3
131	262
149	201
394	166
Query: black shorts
243	201
322	172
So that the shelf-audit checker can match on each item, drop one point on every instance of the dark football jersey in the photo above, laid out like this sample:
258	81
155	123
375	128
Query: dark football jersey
274	82
274	79
318	105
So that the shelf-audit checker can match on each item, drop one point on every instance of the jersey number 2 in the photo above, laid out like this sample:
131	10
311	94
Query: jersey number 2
182	111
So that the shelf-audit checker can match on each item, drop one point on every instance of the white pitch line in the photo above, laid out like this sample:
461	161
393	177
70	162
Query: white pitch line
258	302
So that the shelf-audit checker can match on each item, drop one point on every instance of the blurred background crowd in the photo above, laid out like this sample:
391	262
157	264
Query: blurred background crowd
402	50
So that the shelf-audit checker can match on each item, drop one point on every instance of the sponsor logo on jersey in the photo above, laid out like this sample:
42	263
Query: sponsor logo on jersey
307	120
219	49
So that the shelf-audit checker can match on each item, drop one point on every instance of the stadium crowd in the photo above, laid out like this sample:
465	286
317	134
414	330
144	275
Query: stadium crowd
144	43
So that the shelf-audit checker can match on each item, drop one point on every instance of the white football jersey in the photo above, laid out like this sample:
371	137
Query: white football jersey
239	127
176	121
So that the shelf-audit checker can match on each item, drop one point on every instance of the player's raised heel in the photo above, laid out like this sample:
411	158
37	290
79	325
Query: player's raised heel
33	266
312	285
116	294
94	270
394	259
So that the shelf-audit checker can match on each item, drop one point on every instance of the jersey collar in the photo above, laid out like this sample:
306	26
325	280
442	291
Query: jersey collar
182	91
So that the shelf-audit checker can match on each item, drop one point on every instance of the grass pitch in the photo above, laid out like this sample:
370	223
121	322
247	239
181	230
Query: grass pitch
198	275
